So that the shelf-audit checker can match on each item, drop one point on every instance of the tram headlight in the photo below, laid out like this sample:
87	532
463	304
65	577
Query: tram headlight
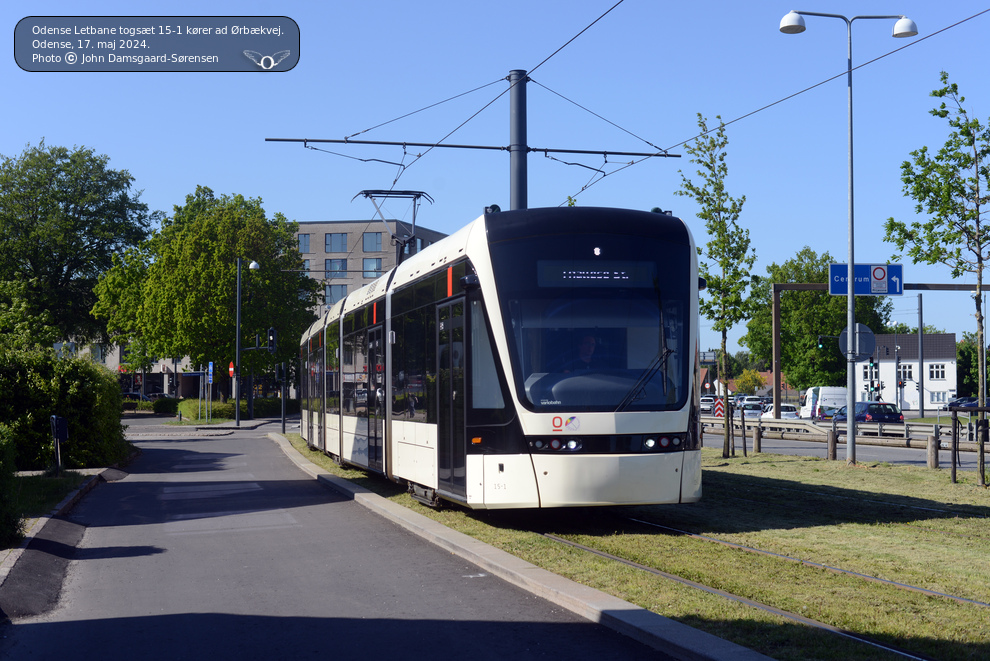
650	443
556	444
574	445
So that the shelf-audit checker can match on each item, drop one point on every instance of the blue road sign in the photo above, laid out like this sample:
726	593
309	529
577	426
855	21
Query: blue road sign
871	279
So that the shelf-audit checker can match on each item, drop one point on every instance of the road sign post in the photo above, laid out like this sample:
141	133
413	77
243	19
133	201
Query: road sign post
870	279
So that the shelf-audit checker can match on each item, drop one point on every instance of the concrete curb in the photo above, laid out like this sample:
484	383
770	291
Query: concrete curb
661	633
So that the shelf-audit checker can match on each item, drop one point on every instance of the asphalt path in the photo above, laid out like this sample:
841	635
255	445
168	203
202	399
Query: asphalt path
217	546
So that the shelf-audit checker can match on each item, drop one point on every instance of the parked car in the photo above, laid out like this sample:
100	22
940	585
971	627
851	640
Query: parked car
135	396
962	401
787	412
707	403
873	412
159	395
751	410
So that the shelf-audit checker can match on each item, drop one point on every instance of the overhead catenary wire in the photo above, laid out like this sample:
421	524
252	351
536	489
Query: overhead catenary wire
791	96
431	146
432	105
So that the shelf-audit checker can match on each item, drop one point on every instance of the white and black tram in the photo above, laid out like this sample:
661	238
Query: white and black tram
535	358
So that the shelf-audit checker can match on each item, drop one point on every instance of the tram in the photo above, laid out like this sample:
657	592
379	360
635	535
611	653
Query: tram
536	358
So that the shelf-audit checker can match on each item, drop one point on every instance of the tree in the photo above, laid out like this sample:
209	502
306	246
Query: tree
750	381
952	188
178	297
901	328
63	215
20	326
727	257
804	317
967	366
120	300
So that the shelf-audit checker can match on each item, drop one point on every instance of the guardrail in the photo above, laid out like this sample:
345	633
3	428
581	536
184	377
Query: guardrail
907	434
932	436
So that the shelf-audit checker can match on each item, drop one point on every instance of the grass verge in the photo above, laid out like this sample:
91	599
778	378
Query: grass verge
37	495
900	524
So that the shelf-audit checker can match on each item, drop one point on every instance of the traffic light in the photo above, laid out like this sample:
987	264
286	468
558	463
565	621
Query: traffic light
272	339
820	343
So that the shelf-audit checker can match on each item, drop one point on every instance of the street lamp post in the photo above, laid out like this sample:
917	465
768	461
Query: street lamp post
793	23
254	266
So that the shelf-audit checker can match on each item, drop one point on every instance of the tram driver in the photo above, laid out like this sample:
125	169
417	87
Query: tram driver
583	356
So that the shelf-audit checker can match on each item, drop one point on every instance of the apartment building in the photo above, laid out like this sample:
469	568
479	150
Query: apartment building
348	254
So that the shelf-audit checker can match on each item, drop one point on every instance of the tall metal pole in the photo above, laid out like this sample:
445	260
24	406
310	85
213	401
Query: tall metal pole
921	362
792	23
237	355
852	346
518	146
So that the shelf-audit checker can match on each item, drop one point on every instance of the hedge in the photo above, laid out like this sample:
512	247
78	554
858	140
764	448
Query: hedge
37	384
263	408
10	520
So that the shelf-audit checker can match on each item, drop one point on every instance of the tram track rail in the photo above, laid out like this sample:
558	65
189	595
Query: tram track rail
816	565
787	615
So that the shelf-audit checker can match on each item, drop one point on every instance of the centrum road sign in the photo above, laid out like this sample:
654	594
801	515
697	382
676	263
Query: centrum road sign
871	279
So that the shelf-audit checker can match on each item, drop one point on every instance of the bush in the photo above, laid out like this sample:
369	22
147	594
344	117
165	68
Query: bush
165	406
263	408
10	520
38	384
272	407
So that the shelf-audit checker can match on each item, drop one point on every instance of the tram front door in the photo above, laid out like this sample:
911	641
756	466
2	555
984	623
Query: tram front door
376	401
451	397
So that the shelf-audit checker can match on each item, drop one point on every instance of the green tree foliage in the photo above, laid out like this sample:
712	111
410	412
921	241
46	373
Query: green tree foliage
20	325
63	215
750	381
727	257
967	366
900	328
951	187
179	297
804	316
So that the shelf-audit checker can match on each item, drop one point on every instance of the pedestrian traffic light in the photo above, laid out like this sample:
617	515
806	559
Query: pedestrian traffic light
272	339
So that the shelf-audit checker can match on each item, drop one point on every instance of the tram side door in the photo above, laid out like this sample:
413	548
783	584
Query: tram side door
451	398
377	397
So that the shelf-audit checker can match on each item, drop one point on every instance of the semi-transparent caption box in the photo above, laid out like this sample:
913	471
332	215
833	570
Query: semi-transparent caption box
157	43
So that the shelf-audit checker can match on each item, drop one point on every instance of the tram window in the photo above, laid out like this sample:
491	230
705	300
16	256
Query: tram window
486	391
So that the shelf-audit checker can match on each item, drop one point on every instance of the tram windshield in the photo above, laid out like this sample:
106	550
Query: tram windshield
598	322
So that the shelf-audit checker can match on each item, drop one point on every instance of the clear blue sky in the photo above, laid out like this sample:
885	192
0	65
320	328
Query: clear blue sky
648	67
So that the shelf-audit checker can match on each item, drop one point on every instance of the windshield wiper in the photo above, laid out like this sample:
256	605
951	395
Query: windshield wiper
636	392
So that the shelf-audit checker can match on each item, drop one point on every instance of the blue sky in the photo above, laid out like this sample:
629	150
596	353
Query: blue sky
648	67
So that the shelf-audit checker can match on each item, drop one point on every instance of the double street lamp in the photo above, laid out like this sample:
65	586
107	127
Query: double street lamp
793	23
254	266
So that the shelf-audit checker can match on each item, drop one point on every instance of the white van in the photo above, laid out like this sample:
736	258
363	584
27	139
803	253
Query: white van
818	402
